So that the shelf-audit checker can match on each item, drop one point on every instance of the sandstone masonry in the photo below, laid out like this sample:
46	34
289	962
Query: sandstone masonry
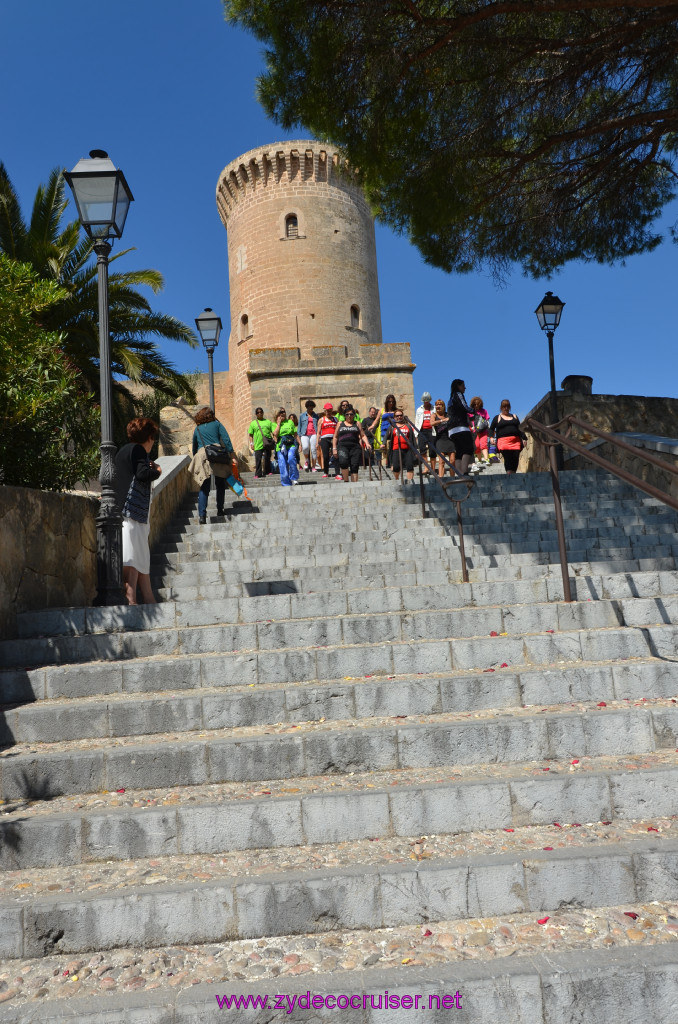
305	313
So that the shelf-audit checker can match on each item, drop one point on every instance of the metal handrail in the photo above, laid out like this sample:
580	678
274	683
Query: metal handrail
457	478
553	437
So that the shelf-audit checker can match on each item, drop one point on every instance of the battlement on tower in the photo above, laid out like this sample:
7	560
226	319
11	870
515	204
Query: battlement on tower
297	163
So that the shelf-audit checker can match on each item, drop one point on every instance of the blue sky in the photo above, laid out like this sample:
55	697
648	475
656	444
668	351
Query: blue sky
167	87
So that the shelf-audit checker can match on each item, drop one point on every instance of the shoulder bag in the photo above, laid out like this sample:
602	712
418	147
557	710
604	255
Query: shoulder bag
215	452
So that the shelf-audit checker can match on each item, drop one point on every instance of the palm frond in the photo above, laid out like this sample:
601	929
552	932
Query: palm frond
12	226
48	209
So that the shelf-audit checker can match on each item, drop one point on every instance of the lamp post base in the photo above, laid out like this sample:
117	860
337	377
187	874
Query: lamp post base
110	590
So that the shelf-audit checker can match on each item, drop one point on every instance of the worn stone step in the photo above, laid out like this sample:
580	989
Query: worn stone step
207	573
319	748
376	804
367	886
427	584
211	626
542	976
335	661
195	707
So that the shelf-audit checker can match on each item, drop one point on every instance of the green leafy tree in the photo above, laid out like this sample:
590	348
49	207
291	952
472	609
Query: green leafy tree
49	426
492	132
58	253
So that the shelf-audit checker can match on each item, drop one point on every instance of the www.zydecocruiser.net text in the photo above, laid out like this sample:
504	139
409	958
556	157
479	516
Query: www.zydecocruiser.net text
306	1001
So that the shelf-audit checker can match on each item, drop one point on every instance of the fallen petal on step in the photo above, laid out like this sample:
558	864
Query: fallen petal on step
543	920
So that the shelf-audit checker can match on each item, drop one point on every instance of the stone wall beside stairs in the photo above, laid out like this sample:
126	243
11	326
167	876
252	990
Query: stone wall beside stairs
48	543
615	414
47	552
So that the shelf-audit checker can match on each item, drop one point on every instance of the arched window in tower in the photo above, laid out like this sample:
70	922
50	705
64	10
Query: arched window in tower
244	327
355	317
291	226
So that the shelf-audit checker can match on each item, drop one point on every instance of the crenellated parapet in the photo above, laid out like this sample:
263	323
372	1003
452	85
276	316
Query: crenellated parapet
296	163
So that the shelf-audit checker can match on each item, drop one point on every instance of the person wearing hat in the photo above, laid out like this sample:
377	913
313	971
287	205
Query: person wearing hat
327	424
308	436
424	428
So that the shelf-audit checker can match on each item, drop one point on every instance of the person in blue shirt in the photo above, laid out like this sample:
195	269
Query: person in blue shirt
210	431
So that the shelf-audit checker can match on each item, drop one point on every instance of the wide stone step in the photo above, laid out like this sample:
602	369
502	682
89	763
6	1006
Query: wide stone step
368	541
294	890
543	972
159	672
194	707
363	600
315	578
428	585
186	628
218	819
321	748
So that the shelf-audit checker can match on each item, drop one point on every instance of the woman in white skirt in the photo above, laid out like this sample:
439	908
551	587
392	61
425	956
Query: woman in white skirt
134	474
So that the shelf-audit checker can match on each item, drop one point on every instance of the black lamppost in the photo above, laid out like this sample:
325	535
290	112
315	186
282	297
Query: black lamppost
102	197
548	313
209	328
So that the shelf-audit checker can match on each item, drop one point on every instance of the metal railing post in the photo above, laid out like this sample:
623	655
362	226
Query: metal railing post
557	505
424	513
462	551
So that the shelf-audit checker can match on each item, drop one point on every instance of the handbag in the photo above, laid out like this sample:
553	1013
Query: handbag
481	423
215	452
268	442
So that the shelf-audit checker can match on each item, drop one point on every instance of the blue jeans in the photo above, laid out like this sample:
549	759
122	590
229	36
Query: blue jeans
287	464
204	491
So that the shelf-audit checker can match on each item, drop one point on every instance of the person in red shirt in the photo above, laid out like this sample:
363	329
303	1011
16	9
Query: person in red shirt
401	454
327	424
424	426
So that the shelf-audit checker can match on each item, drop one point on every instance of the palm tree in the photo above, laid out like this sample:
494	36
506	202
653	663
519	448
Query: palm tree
58	253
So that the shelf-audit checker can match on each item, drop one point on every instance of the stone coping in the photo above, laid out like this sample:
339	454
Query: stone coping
171	466
653	442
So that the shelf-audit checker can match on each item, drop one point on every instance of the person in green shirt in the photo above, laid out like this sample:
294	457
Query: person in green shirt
262	444
285	436
344	406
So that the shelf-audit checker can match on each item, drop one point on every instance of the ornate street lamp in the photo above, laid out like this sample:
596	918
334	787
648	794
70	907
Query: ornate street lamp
102	197
209	328
548	313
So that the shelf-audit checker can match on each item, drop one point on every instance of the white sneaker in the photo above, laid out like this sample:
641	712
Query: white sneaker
294	483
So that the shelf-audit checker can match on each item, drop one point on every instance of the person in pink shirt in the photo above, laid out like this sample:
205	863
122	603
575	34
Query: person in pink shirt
481	429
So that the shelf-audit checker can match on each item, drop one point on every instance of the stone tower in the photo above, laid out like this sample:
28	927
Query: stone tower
305	315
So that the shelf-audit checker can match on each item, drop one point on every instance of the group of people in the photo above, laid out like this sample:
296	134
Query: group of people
337	443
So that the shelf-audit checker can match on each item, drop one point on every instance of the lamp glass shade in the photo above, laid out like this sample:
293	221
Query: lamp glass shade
209	328
549	312
101	194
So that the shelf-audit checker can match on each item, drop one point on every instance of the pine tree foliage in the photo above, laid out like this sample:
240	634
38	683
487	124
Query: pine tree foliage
527	131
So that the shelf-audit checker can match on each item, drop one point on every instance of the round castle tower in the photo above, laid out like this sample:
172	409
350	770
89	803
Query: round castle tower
302	275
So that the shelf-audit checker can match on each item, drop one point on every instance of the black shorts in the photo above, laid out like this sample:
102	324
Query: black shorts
425	440
350	458
464	443
407	459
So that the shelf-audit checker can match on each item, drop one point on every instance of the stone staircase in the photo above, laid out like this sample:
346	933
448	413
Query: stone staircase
325	765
